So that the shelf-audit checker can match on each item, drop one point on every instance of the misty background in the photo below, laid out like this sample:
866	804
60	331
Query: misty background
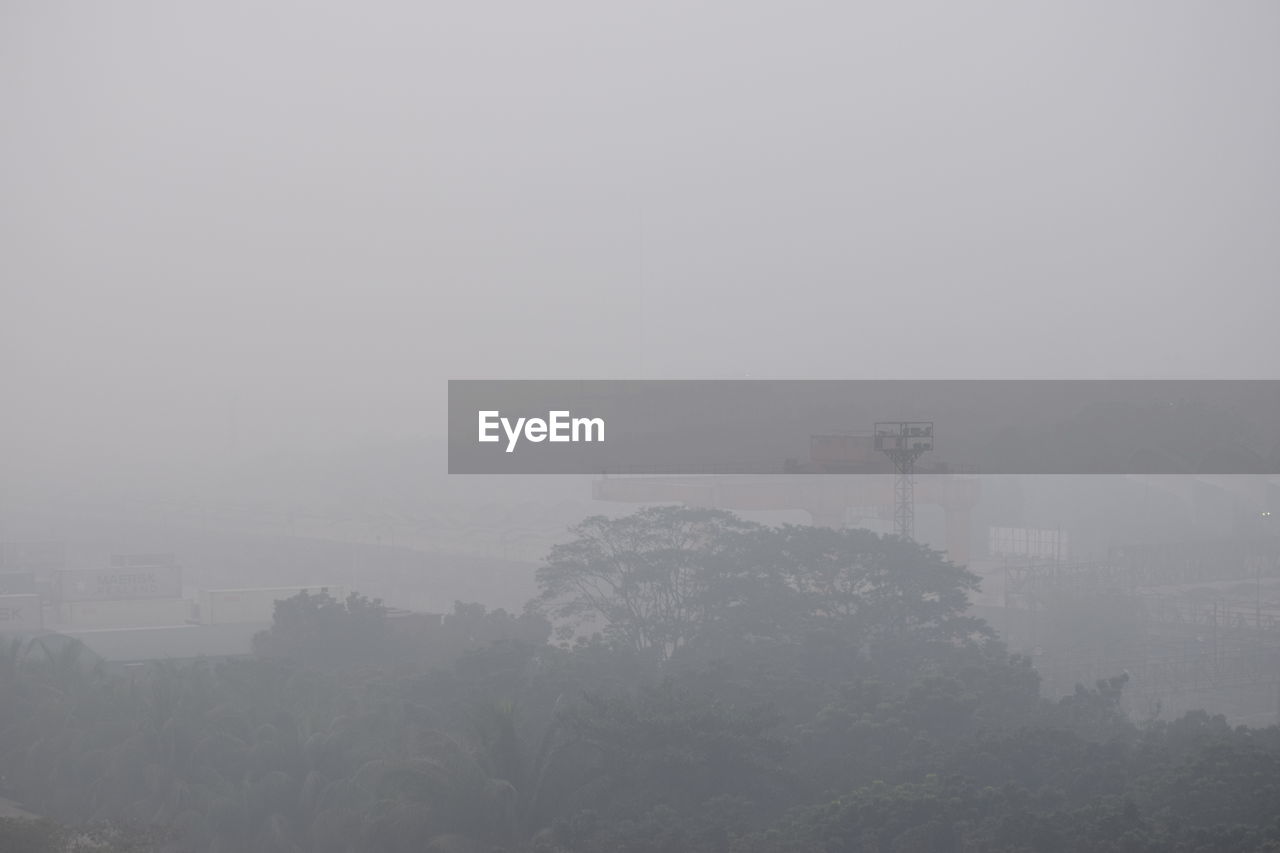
250	243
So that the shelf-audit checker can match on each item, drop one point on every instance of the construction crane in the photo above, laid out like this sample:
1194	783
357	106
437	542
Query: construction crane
904	442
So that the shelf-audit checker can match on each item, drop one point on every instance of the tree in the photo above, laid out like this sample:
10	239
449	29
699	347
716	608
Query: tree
672	580
879	590
32	835
648	580
663	747
320	629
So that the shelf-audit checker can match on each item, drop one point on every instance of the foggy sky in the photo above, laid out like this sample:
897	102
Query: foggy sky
245	227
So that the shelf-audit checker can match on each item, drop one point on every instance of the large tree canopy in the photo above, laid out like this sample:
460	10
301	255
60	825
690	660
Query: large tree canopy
667	579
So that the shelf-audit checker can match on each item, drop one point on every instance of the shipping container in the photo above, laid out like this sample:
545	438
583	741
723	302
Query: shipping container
120	584
233	606
134	561
18	583
137	613
21	613
169	642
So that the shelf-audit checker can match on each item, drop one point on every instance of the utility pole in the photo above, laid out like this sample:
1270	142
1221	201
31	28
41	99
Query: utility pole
904	442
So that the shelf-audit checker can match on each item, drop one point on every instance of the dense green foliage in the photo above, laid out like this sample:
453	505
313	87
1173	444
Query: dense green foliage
737	689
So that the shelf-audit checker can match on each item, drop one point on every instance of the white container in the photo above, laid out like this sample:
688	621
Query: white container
120	584
21	613
140	613
18	583
255	605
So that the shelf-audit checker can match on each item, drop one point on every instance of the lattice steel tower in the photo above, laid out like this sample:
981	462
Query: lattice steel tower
904	442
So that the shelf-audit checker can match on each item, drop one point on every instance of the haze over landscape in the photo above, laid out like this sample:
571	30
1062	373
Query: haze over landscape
245	246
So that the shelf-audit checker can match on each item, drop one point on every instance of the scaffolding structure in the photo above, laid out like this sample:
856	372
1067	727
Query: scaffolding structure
1205	618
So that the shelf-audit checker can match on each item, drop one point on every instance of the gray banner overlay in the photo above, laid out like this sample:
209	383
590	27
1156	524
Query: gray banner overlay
829	427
